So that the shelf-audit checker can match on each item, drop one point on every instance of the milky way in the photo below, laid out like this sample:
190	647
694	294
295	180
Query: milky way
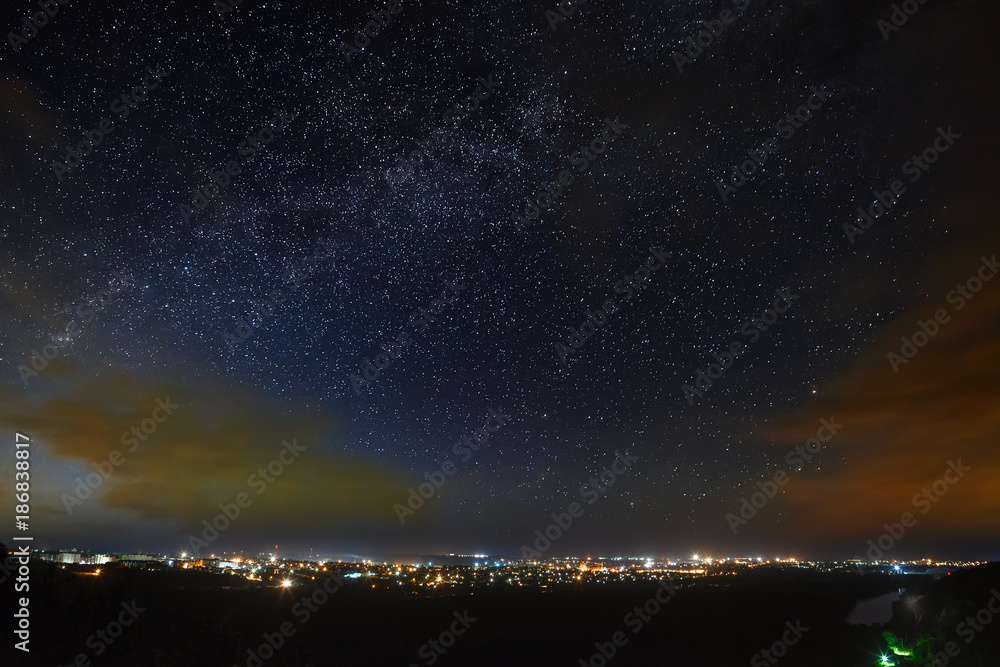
483	206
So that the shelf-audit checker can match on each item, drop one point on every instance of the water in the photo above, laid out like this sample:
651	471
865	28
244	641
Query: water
874	610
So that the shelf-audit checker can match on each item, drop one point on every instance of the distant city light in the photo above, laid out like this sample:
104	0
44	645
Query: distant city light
286	583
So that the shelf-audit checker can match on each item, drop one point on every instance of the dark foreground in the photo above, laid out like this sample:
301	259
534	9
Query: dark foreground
194	618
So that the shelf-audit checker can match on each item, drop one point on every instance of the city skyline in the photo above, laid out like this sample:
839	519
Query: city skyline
651	278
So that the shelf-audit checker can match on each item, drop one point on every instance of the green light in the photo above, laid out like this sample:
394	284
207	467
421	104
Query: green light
895	645
886	662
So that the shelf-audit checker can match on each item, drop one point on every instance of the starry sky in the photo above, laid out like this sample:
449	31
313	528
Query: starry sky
316	217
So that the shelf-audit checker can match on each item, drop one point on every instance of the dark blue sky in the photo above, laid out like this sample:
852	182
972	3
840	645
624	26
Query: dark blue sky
319	171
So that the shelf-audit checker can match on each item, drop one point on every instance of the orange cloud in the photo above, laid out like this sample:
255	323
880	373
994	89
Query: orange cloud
201	455
901	428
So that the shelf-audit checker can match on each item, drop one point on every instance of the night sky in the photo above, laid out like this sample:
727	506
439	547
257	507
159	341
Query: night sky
317	217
